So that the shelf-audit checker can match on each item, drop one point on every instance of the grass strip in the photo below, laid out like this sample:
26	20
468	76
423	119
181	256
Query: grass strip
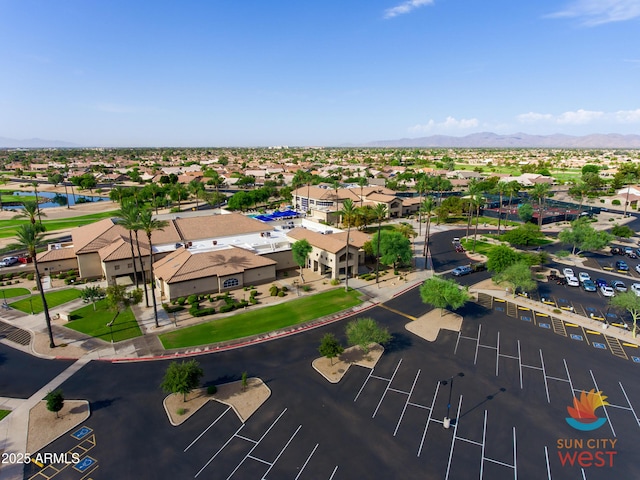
4	413
14	292
54	299
94	323
264	320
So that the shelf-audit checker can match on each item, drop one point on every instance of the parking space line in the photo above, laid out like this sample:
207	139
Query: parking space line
484	437
407	402
453	439
363	385
566	369
475	359
615	347
207	429
219	450
629	402
258	459
306	461
497	352
520	364
280	454
386	389
544	375
334	472
424	434
604	408
546	456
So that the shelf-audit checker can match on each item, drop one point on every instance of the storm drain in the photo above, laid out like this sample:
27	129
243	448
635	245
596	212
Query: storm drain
14	334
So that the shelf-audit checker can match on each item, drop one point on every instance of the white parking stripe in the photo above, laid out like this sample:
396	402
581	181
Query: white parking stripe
207	429
406	403
306	461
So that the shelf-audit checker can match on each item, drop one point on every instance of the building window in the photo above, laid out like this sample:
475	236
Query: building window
116	267
129	265
230	282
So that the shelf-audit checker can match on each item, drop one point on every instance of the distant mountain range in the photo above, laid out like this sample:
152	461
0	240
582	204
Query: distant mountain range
516	140
35	143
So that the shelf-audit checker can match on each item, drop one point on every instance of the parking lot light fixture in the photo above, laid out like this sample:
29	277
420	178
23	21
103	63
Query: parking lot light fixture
447	419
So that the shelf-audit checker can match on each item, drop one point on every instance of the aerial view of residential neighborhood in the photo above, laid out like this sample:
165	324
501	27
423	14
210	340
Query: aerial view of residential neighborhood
294	241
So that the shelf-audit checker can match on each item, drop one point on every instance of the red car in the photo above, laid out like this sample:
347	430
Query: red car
25	259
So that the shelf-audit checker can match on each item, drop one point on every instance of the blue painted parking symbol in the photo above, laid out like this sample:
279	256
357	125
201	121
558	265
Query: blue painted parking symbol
636	359
611	315
81	433
544	325
599	345
590	309
576	337
85	463
526	319
499	309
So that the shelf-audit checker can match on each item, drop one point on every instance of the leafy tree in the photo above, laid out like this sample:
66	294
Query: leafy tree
392	247
118	299
583	236
365	331
630	302
500	257
348	213
380	211
55	401
590	168
182	378
55	179
92	295
525	212
330	347
622	231
86	181
31	210
518	275
524	234
442	293
148	224
29	236
301	250
244	378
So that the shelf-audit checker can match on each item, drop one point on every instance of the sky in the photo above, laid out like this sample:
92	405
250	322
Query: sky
223	73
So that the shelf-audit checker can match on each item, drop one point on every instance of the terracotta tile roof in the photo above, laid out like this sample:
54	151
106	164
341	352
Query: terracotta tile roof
216	226
56	254
183	265
120	249
93	237
332	243
356	237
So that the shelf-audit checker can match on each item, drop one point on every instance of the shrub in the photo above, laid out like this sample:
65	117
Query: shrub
62	275
9	276
212	389
281	293
306	288
253	300
242	304
181	411
285	289
181	301
227	308
335	282
69	280
172	308
615	201
274	290
201	312
191	299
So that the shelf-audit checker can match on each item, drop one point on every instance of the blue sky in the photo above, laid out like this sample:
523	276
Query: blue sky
299	73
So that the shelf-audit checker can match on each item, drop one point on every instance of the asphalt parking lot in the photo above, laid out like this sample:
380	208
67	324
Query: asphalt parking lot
508	410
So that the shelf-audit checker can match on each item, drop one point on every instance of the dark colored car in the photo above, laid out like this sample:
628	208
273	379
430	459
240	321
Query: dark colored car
588	286
600	282
622	266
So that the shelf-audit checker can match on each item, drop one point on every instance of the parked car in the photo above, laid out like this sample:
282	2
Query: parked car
568	272
588	285
582	276
460	271
619	286
632	255
573	282
607	291
622	266
601	282
25	260
8	261
637	251
635	288
615	251
628	250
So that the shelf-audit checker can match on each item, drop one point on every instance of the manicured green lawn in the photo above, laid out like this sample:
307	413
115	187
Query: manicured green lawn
480	246
54	299
4	413
263	320
13	292
8	227
92	323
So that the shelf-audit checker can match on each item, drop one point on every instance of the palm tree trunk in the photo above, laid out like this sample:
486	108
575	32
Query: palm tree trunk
47	318
475	232
346	282
133	258
378	252
499	213
144	275
153	283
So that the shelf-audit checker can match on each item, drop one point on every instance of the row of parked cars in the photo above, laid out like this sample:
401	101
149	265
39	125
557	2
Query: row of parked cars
606	288
628	251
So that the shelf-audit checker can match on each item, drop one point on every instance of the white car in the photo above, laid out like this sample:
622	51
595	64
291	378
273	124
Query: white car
638	268
635	288
573	282
582	276
8	261
607	291
568	272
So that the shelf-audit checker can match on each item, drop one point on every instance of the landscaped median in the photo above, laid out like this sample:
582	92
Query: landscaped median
33	304
94	322
263	320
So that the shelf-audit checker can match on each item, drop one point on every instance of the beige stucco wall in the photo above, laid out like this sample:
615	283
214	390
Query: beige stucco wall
90	265
256	276
284	259
57	266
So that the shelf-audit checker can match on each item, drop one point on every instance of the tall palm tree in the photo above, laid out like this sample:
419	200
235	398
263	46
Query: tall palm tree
29	236
149	224
362	181
422	186
427	206
514	189
501	188
129	215
477	201
540	192
348	213
380	211
35	191
30	211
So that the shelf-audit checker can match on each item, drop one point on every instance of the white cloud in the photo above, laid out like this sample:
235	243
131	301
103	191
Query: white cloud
406	7
449	124
581	117
597	12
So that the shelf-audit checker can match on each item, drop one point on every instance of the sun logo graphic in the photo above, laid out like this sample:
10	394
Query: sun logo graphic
582	414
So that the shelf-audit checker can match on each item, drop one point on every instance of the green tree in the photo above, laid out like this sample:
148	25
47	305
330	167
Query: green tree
92	294
622	231
442	293
182	378
500	257
539	193
29	237
392	247
55	401
348	213
301	250
380	211
148	224
365	331
518	276
630	302
525	212
583	236
129	218
523	235
330	347
31	210
55	179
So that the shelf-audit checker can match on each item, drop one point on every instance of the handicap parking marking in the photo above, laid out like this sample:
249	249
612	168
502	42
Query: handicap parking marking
499	309
601	346
84	463
636	359
544	325
577	337
525	318
590	309
81	433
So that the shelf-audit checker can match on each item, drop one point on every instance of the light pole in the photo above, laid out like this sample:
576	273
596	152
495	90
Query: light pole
447	420
110	325
31	304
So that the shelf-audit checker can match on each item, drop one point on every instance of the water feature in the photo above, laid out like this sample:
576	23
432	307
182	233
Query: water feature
57	199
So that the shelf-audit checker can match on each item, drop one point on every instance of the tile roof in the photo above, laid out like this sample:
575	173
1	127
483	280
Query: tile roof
120	249
332	242
216	226
56	254
183	265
